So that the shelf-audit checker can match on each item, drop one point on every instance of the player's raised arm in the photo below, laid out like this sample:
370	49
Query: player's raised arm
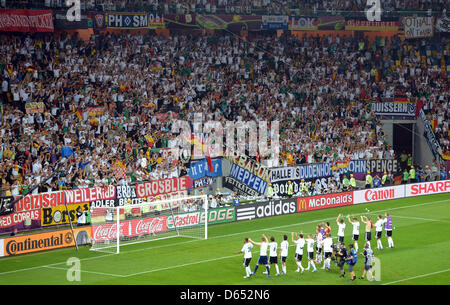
254	242
337	219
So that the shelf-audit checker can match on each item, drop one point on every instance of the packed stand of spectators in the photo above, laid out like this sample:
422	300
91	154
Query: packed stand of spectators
317	88
236	6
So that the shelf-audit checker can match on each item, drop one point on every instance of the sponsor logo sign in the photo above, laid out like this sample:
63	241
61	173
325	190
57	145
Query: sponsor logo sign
26	20
215	216
418	27
183	220
242	175
266	209
42	241
130	228
163	186
58	215
427	188
394	109
324	201
89	194
378	194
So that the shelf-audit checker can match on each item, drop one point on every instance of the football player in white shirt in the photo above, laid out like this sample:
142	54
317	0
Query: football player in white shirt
328	250
310	250
341	228
319	245
300	242
247	250
355	223
284	246
273	257
262	260
378	230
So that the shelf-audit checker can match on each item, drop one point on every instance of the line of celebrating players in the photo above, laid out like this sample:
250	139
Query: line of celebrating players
325	249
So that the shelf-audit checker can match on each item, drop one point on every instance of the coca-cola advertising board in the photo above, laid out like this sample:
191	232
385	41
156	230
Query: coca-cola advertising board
129	228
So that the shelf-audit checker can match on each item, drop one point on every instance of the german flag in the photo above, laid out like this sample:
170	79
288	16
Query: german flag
400	97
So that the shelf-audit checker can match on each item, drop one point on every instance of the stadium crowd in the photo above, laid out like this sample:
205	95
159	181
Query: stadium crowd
108	104
236	6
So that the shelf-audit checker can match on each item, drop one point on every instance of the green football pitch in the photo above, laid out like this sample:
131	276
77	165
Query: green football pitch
421	254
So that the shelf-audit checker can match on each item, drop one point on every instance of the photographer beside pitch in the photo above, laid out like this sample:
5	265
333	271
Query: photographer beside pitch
341	257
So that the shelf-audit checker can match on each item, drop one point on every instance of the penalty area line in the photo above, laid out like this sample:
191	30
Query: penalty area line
416	277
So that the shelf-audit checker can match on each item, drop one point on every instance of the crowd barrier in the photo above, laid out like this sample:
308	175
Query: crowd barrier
29	243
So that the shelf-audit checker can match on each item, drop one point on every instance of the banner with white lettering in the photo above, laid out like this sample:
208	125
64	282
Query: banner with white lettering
201	169
163	186
429	135
394	109
244	176
418	27
89	194
238	187
26	20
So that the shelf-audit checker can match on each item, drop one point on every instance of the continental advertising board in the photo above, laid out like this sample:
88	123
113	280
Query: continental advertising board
44	241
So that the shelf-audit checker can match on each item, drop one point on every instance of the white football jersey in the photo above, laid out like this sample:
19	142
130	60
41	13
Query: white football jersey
310	245
341	227
247	250
379	225
355	225
263	249
284	248
273	249
319	239
327	244
300	244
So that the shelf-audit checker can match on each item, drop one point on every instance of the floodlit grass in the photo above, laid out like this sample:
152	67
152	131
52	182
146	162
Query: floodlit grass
421	254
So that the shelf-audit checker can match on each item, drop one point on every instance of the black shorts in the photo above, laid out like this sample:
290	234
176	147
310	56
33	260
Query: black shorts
283	259
389	233
378	234
341	239
273	260
319	250
368	236
327	254
367	267
311	255
262	260
355	237
247	261
298	257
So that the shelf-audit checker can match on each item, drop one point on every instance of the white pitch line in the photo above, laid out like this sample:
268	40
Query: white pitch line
416	277
420	218
86	271
227	235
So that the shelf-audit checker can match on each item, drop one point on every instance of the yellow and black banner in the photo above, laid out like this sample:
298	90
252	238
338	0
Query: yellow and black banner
58	214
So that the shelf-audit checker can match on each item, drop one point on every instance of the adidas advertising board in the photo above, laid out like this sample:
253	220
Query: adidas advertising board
266	209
